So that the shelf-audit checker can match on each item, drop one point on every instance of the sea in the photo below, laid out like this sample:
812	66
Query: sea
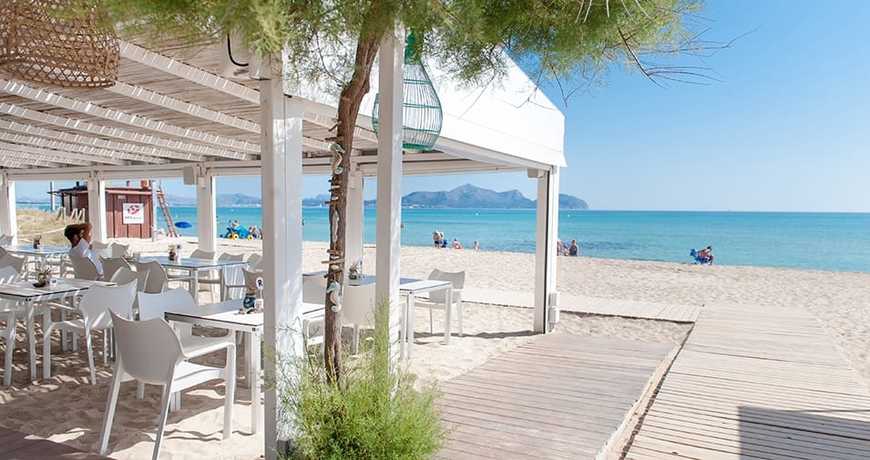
817	241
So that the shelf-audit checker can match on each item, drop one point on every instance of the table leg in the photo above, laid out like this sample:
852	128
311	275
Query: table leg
448	300
31	338
221	285
409	335
194	285
64	346
254	377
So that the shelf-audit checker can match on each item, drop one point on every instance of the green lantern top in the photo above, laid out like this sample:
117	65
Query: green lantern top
421	107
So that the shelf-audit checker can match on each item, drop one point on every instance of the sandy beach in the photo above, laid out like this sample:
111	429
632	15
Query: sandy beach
69	410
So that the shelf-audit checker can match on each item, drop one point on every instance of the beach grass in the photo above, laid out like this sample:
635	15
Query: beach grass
33	222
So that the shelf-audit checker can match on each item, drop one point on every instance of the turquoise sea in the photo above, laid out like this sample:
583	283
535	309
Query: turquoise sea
822	241
819	241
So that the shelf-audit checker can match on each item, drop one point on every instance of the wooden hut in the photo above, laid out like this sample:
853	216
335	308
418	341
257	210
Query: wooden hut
129	210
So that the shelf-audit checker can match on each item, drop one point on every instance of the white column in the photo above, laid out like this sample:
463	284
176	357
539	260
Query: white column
389	209
8	214
206	212
547	232
281	144
355	224
97	208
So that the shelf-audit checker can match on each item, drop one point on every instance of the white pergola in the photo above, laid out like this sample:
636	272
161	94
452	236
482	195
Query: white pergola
174	110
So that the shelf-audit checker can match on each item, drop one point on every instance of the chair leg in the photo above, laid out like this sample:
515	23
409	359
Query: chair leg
75	344
460	309
111	405
140	390
89	343
105	347
164	413
10	347
431	322
230	396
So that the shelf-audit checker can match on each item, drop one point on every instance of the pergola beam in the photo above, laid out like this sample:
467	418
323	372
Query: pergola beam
315	113
150	154
15	160
98	153
58	156
183	150
88	108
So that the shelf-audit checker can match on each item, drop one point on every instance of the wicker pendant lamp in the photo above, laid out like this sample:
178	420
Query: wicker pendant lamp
421	108
66	43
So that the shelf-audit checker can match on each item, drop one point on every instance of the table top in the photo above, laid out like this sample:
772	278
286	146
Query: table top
24	290
191	263
406	285
27	249
226	314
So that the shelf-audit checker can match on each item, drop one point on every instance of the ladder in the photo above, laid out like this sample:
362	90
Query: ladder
164	207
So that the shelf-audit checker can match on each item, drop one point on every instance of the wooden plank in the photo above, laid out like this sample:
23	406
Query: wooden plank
559	396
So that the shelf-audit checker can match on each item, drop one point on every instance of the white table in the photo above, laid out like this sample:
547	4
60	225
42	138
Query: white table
225	315
24	293
193	266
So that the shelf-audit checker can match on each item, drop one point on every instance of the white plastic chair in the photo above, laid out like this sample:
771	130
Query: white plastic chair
101	249
153	306
358	309
119	251
9	314
112	265
157	277
84	268
94	308
232	277
254	261
125	275
437	299
150	352
9	260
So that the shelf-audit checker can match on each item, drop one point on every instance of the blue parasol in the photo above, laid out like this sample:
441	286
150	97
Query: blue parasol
183	224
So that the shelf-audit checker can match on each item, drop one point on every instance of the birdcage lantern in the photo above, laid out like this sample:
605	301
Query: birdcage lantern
421	108
67	43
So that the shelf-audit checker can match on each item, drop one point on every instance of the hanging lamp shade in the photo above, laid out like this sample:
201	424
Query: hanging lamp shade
421	108
67	43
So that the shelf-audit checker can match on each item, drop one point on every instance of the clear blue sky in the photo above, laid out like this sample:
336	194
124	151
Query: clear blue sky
784	130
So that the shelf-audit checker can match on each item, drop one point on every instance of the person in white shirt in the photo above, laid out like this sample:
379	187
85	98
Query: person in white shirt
79	236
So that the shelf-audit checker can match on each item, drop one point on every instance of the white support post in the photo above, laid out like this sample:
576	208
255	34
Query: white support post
281	143
8	211
389	209
546	234
206	212
355	218
97	207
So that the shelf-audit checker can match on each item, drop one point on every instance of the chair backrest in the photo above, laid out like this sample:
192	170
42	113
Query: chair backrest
157	278
313	289
457	279
9	274
254	261
98	300
6	240
119	250
155	305
112	265
3	252
147	350
233	276
358	305
125	275
251	279
84	268
15	262
200	254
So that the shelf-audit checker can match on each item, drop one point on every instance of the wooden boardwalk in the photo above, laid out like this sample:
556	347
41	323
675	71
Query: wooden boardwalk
15	445
757	383
559	396
591	305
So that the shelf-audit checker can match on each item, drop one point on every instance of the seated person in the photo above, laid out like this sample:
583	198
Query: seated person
79	236
574	249
456	244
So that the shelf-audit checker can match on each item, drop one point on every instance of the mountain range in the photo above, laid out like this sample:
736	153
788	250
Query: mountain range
462	197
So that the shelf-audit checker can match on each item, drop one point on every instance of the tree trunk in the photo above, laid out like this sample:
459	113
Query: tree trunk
348	109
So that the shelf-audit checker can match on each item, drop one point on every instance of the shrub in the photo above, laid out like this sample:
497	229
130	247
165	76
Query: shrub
372	412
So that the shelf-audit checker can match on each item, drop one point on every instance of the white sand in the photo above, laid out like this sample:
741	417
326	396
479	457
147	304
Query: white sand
69	410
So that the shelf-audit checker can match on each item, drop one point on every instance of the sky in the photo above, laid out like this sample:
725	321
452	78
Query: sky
783	129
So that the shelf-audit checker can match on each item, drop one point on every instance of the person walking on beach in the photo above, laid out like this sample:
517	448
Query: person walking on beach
476	246
574	250
437	238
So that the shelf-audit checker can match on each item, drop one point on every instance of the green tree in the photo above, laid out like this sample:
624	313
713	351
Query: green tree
558	40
